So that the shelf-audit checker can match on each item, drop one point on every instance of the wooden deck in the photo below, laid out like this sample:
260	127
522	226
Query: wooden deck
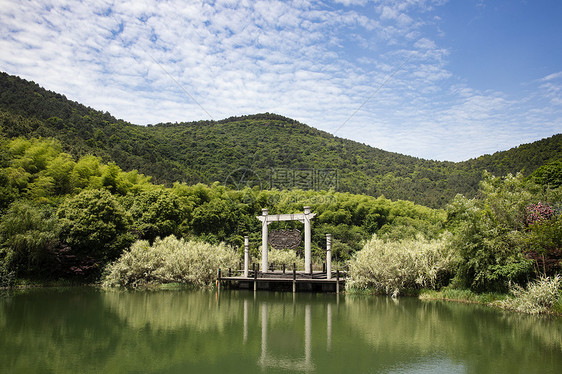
295	281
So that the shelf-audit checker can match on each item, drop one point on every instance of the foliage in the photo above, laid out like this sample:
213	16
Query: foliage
155	213
94	224
7	277
488	234
169	260
209	151
279	257
29	237
503	233
538	297
549	175
543	244
37	169
392	266
538	213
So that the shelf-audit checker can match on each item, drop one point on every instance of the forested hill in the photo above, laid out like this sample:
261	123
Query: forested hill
265	148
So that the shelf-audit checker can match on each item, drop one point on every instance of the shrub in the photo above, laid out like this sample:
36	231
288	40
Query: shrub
539	297
390	267
169	260
284	257
538	213
7	277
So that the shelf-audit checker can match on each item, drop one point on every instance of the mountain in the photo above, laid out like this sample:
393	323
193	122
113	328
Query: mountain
265	149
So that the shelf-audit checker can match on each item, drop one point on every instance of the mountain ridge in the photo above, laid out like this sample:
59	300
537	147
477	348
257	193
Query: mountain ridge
207	151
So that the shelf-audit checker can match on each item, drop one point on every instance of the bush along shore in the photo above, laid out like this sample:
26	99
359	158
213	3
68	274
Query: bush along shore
543	296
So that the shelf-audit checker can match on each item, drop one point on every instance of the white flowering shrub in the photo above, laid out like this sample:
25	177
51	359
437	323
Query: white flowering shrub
391	266
287	257
169	260
539	297
280	257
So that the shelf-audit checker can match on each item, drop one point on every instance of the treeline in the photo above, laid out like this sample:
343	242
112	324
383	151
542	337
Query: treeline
67	217
266	144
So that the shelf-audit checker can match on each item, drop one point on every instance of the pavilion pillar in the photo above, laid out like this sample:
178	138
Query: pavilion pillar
307	241
328	256
264	239
246	256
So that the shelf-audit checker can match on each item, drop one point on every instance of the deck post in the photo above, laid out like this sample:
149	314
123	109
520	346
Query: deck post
294	278
246	255
264	240
338	281
328	256
255	278
219	279
307	241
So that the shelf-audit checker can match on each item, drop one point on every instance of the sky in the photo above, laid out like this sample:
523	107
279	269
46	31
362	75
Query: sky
435	79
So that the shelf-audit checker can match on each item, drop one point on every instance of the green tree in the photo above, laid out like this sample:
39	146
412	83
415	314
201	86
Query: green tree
95	225
60	170
87	168
156	213
543	240
489	234
29	237
549	175
217	217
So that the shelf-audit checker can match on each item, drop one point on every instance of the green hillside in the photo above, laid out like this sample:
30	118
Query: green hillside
275	151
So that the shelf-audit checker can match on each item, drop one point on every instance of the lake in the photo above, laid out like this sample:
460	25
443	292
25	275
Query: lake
85	330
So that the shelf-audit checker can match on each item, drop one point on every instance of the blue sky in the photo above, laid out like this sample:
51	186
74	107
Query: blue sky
443	80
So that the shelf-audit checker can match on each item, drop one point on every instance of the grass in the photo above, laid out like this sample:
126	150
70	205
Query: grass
496	300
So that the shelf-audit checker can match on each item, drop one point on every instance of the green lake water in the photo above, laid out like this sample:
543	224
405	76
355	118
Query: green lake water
85	330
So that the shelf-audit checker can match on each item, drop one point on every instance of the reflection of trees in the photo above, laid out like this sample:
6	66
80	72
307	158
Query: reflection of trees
91	332
172	310
87	331
476	335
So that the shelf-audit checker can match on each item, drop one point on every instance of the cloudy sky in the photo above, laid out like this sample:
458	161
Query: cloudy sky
437	79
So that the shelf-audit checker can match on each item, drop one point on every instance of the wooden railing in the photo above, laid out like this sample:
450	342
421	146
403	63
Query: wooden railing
254	271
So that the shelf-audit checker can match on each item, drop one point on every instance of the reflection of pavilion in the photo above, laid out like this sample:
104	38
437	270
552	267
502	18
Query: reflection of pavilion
303	363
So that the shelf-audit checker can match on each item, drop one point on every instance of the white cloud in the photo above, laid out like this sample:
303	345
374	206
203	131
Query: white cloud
552	76
145	61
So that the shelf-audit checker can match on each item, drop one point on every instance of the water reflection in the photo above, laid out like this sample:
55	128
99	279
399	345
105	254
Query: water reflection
271	360
88	331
